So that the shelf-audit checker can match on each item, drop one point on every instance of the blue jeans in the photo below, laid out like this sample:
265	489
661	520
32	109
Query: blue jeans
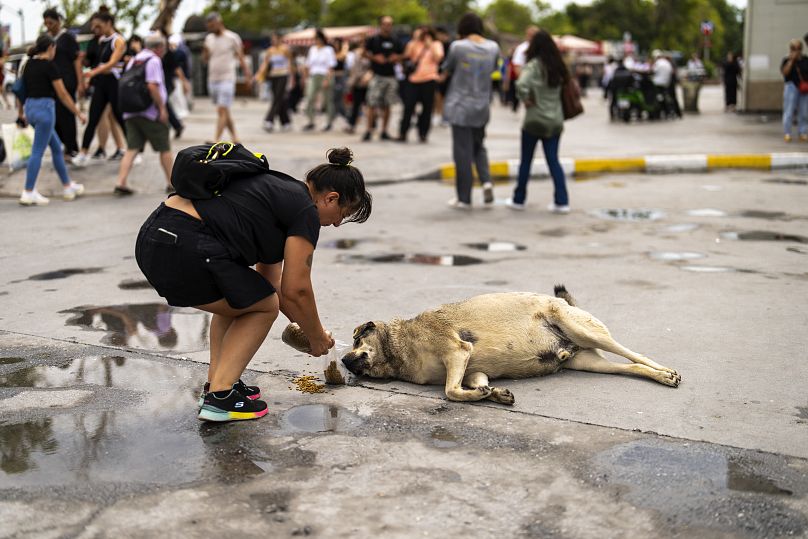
550	146
793	101
41	114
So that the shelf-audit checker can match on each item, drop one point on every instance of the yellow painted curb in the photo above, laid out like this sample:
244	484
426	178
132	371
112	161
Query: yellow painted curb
609	165
740	161
498	169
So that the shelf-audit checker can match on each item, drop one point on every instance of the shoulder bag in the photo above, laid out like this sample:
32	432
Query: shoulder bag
803	85
571	99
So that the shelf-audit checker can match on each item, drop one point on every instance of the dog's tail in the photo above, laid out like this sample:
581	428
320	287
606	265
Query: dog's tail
561	292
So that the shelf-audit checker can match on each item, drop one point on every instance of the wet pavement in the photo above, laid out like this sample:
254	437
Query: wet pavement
99	378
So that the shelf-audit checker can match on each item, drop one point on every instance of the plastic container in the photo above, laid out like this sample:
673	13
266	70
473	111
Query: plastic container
334	370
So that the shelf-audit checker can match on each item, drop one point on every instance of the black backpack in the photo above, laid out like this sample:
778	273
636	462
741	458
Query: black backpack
133	90
202	172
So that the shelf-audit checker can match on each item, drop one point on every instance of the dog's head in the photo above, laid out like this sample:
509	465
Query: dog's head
369	354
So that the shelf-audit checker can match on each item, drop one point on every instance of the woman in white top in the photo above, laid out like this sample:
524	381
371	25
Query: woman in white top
320	65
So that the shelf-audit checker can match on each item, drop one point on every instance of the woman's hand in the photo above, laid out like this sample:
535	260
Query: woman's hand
82	118
322	344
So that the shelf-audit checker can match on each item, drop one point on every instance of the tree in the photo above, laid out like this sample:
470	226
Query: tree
72	10
446	12
262	15
130	13
509	16
357	12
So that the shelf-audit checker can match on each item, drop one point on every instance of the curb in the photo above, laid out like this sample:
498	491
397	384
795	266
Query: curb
660	164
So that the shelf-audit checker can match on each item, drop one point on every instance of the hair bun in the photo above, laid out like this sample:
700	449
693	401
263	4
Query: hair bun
340	156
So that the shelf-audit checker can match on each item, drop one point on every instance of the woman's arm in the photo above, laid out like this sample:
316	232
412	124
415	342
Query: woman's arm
297	294
64	97
117	54
526	83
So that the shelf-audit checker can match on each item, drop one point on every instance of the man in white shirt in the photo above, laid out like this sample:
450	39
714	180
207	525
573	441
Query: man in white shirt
222	50
520	53
663	71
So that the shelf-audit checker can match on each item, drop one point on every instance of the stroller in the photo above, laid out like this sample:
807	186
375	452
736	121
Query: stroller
634	95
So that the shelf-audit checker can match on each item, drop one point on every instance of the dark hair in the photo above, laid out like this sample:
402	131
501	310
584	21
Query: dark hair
41	45
103	15
427	30
340	176
470	23
135	38
319	34
51	13
544	48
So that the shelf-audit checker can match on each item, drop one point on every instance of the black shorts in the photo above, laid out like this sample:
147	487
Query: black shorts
189	266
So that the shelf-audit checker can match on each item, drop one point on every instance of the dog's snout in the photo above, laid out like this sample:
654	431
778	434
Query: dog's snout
354	362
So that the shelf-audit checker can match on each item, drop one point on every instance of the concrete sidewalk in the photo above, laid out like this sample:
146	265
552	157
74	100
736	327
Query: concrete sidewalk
589	137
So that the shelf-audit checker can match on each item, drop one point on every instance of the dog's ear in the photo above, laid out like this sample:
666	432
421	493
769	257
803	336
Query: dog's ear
362	330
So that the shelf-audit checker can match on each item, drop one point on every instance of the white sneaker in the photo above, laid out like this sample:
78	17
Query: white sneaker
514	205
33	198
457	205
555	208
81	160
138	160
72	191
269	127
488	194
286	128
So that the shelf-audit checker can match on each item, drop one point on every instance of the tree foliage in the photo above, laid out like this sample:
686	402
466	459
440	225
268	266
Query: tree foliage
74	11
262	15
509	16
357	12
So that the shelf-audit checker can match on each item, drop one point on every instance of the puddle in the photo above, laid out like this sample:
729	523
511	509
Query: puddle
319	418
430	260
134	284
706	212
710	269
787	181
496	246
702	485
341	244
148	326
683	227
760	214
796	250
669	256
11	360
763	235
496	282
140	440
628	214
63	273
443	439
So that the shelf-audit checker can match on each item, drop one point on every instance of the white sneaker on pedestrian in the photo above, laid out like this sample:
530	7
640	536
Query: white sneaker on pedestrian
138	160
488	194
33	198
514	205
269	127
555	208
457	205
72	191
81	160
286	128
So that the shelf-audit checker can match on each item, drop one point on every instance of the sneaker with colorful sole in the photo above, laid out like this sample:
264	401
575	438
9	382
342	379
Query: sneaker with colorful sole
251	392
219	406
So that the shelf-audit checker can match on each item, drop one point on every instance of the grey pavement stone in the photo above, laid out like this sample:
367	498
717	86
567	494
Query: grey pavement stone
45	399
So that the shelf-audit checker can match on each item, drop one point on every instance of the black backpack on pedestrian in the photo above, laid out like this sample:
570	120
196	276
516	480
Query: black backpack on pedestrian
203	172
133	90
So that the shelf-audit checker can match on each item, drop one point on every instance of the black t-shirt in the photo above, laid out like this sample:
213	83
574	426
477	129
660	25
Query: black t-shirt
92	55
254	216
38	76
793	76
379	44
67	50
170	66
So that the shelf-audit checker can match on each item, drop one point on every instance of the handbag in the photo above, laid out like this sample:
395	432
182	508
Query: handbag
18	87
803	85
409	66
571	99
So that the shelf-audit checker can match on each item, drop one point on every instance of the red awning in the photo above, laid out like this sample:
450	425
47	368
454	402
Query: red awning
304	38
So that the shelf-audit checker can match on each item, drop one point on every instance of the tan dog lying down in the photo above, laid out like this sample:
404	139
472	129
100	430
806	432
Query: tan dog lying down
505	335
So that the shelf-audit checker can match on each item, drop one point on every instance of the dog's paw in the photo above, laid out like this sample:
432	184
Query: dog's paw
502	396
671	379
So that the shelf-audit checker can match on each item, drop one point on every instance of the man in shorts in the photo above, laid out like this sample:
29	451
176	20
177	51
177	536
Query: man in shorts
222	49
383	50
150	125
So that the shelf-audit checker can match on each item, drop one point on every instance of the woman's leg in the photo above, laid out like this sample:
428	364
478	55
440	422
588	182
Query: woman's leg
462	152
42	123
240	339
410	100
97	105
550	146
328	96
802	114
58	158
313	85
481	155
790	96
219	324
282	96
426	95
526	161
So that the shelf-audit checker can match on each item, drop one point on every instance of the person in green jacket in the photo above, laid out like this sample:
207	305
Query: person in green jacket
539	88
